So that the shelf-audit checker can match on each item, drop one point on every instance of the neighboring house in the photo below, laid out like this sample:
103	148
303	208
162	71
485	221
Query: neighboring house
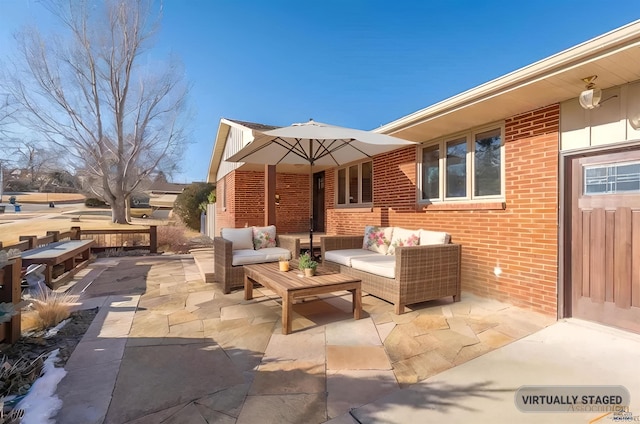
542	193
163	194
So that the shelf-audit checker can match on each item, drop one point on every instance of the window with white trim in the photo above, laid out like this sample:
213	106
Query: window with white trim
468	166
354	184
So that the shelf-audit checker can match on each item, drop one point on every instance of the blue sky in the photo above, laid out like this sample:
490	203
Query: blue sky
356	63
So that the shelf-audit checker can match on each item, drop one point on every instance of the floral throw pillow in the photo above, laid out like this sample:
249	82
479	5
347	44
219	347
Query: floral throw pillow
402	237
377	239
264	237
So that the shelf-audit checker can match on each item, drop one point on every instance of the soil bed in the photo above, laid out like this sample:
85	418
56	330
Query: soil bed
32	346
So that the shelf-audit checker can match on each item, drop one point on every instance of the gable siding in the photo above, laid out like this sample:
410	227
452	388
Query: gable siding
236	140
520	239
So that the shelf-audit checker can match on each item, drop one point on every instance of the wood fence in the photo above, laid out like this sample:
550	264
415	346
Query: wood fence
126	238
10	292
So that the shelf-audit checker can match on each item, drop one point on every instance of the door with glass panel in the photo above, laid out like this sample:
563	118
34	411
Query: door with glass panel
605	238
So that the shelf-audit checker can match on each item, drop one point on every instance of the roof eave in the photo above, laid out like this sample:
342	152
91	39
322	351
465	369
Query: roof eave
626	36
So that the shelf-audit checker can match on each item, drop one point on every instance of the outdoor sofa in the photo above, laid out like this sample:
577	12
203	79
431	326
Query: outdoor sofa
250	245
398	265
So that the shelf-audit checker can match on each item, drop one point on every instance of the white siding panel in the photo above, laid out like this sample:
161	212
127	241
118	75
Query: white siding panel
607	121
236	140
616	120
574	131
633	111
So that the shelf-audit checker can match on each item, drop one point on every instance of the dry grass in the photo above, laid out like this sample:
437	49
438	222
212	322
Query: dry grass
30	321
52	308
11	231
47	197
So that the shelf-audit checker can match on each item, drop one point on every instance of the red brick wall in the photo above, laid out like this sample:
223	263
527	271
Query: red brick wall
224	189
521	239
245	202
292	214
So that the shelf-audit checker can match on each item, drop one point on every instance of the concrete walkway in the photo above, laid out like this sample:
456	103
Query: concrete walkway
166	347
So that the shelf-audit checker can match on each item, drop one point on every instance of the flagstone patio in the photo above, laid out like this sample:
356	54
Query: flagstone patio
168	347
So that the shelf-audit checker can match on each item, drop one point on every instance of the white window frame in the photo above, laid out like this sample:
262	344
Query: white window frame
359	203
470	137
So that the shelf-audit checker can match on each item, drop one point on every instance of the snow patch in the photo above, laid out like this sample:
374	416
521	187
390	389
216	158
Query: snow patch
41	404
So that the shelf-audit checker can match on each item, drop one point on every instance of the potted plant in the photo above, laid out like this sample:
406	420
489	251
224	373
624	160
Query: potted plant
284	263
307	264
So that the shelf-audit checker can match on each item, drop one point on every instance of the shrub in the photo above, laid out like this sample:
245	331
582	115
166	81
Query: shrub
94	202
187	204
172	238
211	198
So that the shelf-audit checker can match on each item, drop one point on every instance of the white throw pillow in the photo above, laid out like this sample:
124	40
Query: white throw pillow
242	238
264	237
403	237
433	237
377	239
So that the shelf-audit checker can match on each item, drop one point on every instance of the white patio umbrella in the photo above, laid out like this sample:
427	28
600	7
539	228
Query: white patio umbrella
315	143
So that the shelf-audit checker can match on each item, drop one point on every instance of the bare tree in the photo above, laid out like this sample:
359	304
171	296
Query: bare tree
93	91
5	110
36	159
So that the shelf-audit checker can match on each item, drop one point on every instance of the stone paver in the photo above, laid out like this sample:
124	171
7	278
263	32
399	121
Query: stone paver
170	375
288	377
203	356
357	358
353	388
352	332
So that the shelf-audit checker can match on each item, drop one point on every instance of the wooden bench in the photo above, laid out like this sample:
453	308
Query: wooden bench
60	252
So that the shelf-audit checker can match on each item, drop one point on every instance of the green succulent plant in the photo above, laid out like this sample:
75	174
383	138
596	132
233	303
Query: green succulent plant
307	261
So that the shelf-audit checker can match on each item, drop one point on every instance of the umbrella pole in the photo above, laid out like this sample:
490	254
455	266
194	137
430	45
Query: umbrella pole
311	204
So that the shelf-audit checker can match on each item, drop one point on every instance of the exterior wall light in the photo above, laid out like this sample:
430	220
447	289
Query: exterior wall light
590	98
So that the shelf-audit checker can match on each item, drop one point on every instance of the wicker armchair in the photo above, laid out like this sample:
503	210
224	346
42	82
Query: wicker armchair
232	277
421	272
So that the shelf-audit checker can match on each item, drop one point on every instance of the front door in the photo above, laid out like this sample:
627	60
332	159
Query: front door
604	254
318	202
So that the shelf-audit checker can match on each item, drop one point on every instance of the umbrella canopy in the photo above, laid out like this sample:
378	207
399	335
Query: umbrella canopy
315	143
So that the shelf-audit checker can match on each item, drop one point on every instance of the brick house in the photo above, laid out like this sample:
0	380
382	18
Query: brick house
542	193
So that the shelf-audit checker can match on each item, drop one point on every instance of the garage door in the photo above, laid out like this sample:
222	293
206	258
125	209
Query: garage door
605	239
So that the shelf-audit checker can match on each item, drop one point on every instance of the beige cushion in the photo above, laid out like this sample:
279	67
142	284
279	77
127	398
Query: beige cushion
433	237
382	265
264	237
344	256
377	239
403	237
241	238
250	256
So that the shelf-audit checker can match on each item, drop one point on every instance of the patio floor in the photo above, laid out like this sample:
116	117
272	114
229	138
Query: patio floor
168	347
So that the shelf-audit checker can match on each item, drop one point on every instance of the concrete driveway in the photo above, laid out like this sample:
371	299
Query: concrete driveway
567	353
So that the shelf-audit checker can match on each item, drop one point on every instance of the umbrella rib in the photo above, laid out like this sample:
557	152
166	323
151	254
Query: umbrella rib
329	150
295	148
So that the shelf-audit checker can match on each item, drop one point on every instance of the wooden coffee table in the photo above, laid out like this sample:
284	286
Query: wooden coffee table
292	284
